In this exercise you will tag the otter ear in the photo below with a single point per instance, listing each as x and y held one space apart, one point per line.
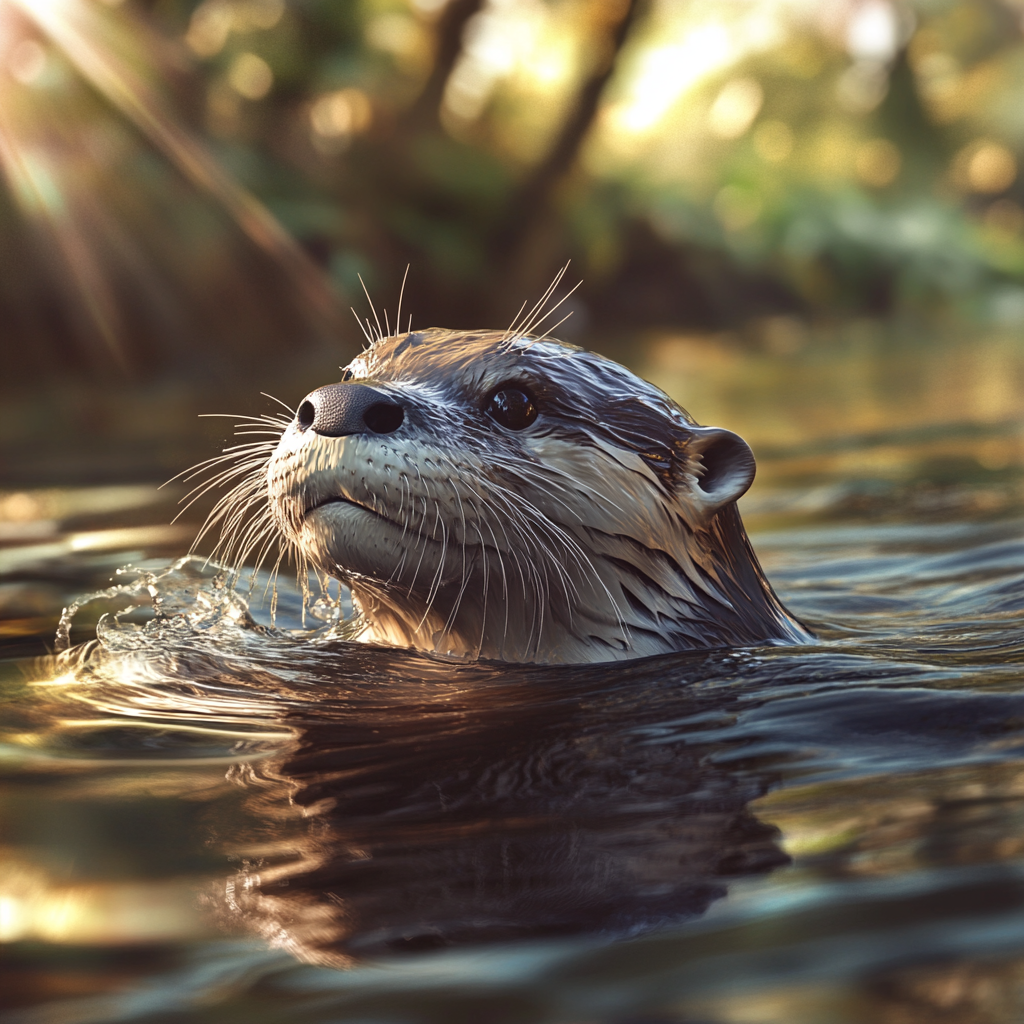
722 465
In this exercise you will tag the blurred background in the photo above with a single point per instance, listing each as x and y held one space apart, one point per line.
801 216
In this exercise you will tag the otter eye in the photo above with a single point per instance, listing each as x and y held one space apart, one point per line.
511 407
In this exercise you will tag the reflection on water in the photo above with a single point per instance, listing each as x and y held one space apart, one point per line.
207 816
401 806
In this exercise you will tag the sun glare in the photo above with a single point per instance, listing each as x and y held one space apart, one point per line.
691 45
499 40
666 72
56 162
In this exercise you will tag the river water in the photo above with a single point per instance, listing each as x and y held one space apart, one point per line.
210 816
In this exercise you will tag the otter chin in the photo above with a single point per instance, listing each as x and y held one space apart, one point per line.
522 500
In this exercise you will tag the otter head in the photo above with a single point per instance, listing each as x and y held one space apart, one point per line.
522 500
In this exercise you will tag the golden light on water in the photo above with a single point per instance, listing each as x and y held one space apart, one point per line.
130 537
65 679
798 147
35 906
58 503
773 401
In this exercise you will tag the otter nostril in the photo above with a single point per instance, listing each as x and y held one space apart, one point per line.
384 417
305 416
338 410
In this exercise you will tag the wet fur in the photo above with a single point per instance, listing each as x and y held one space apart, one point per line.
586 537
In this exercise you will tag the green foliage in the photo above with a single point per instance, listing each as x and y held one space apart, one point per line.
863 164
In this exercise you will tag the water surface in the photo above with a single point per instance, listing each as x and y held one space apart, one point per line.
211 817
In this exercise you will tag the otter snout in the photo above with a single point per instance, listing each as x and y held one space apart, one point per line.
341 409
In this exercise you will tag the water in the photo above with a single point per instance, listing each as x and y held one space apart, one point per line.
209 817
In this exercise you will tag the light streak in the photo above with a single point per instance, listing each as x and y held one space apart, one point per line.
76 29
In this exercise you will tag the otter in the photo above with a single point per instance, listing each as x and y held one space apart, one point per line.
489 495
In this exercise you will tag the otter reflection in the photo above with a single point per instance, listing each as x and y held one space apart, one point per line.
449 804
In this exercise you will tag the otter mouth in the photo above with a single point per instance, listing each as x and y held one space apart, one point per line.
339 500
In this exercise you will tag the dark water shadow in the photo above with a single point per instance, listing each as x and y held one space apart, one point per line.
473 804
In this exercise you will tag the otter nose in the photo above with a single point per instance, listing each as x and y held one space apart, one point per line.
340 409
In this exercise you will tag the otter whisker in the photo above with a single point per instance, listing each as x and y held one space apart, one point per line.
578 485
538 305
226 456
249 482
234 543
538 581
534 324
405 516
194 495
272 581
423 547
231 509
484 587
380 333
244 544
587 568
576 552
465 575
366 333
406 492
525 540
401 292
522 470
554 327
222 478
285 405
269 537
571 545
438 573
512 326
232 456
262 543
263 417
535 519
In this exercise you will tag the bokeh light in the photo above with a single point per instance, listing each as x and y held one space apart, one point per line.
341 114
250 76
